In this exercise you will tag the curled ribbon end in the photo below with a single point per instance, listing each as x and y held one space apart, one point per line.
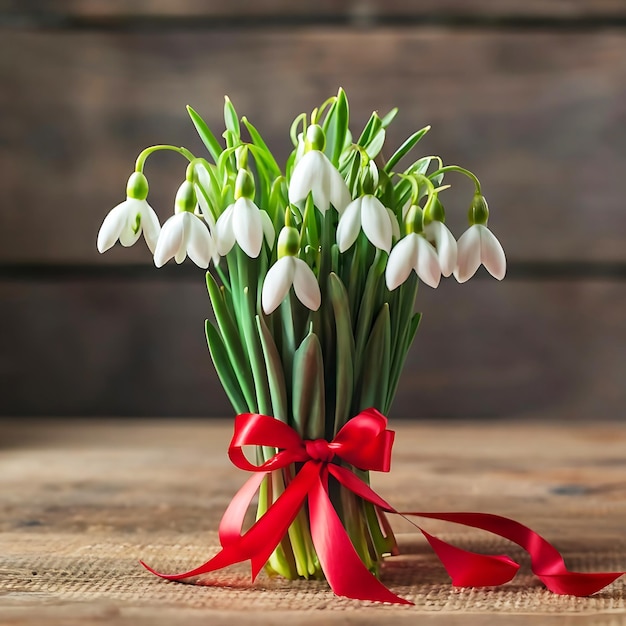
578 584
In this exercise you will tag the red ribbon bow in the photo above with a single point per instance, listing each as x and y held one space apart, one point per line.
365 443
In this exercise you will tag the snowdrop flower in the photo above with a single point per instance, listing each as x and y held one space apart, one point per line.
369 213
243 222
315 174
130 218
479 245
413 253
185 234
287 271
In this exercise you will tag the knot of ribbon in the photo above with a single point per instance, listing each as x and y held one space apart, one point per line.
365 443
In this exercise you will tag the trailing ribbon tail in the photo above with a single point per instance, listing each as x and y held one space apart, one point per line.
546 561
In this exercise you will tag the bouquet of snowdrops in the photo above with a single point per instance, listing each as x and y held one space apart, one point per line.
315 273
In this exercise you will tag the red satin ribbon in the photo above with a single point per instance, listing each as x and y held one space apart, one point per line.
363 442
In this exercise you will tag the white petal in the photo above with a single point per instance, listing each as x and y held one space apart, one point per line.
150 226
170 240
395 226
306 286
376 223
349 225
338 190
277 283
468 258
112 226
204 178
248 226
492 254
304 176
401 261
224 232
199 242
268 228
445 243
427 265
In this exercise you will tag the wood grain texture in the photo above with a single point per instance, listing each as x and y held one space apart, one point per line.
545 350
82 502
356 9
540 117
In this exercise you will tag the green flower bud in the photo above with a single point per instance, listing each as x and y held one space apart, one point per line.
414 220
315 139
434 211
370 178
241 156
479 211
288 242
244 185
137 186
185 198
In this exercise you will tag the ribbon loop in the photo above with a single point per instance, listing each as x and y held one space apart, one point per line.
364 442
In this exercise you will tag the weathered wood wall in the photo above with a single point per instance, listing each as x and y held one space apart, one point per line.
530 95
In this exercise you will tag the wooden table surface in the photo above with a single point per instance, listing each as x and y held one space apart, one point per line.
82 501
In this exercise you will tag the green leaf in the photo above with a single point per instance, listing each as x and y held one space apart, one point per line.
275 374
263 151
246 319
224 369
374 124
420 166
308 389
208 138
230 118
345 351
376 144
376 361
398 359
335 127
310 223
386 121
405 148
369 305
232 342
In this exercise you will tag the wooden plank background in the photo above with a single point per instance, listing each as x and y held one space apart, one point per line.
529 95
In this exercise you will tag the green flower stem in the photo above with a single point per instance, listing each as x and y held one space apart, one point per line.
251 338
460 170
281 560
141 159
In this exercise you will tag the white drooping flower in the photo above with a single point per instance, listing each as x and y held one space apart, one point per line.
129 219
281 276
369 213
289 271
185 234
445 244
244 223
315 174
412 253
182 235
479 245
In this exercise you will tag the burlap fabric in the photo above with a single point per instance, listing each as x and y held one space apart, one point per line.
82 502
